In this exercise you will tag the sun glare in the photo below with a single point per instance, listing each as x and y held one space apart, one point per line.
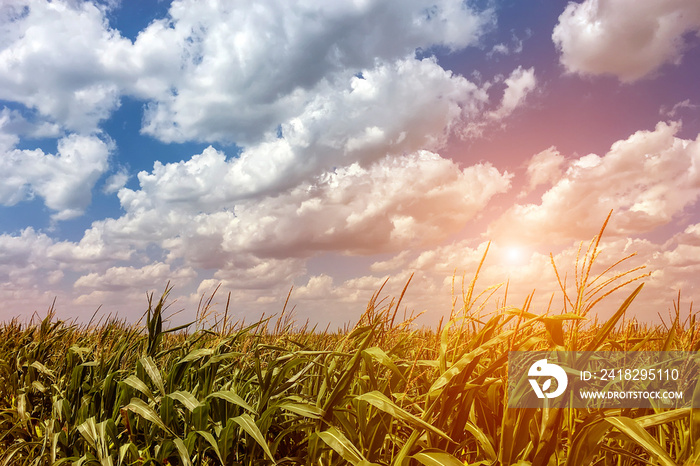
513 255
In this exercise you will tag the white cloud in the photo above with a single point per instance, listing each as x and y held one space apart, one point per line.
319 287
518 85
681 106
64 180
14 125
544 167
394 109
22 253
648 179
248 69
248 272
447 270
501 49
625 38
46 66
95 247
515 47
116 181
129 278
690 236
27 273
212 71
397 202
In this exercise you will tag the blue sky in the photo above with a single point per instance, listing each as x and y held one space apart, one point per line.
330 147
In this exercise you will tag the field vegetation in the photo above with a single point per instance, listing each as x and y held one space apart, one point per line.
382 392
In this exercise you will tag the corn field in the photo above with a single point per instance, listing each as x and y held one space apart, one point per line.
380 393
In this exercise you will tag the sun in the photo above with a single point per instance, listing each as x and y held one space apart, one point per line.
513 255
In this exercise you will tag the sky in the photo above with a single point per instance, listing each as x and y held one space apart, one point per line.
330 148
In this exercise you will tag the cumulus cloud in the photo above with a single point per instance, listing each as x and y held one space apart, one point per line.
249 272
128 278
46 66
339 81
395 109
691 235
116 181
250 69
14 125
22 255
398 202
648 179
624 38
95 247
515 47
403 201
64 180
29 279
684 105
441 275
211 71
518 85
544 167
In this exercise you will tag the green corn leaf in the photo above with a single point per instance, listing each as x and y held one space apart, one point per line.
129 448
106 433
188 400
210 440
139 407
154 373
88 430
139 385
436 458
442 350
381 402
465 360
482 439
226 440
586 443
554 326
200 417
196 354
663 417
341 445
42 368
380 356
233 398
302 409
54 445
247 424
182 450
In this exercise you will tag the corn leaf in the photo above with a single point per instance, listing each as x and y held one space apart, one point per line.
635 432
381 402
139 407
341 445
233 398
436 458
247 424
188 400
